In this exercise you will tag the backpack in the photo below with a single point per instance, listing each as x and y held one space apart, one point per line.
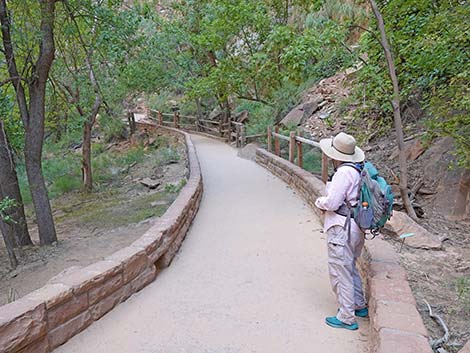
375 202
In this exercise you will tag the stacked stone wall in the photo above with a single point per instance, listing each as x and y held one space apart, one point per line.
395 324
48 317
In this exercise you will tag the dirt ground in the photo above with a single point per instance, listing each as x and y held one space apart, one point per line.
440 277
91 227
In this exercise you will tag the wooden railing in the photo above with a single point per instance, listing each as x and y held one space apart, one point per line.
231 131
295 146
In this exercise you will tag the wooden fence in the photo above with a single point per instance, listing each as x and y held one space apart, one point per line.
295 146
234 131
231 131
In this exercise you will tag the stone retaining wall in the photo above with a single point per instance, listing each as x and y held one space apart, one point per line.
70 302
395 324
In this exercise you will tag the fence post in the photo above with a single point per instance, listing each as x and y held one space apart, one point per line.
160 118
300 156
229 131
277 145
270 138
243 133
237 142
292 146
174 120
324 168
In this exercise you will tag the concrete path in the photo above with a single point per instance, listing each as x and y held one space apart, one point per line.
251 276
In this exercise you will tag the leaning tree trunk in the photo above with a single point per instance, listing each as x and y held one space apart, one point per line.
33 156
9 187
34 135
396 113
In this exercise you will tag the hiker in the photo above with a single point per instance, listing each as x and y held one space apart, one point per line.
345 239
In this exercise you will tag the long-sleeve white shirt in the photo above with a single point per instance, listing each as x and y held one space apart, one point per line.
343 186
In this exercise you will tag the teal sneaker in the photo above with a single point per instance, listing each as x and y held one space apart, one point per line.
334 322
364 312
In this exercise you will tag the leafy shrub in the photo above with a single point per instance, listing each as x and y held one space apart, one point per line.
430 44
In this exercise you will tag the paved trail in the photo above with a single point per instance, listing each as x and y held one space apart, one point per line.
251 276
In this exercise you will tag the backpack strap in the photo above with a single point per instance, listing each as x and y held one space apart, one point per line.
346 208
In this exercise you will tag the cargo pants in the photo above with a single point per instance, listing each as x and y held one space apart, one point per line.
346 282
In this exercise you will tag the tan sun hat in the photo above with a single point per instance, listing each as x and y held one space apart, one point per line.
343 148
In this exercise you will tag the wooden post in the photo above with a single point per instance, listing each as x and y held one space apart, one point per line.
270 139
174 120
300 156
237 142
324 168
229 131
277 145
292 146
177 120
160 118
243 133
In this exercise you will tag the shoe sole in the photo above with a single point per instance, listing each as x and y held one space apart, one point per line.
353 328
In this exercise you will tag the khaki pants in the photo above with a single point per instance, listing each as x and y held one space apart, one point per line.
344 277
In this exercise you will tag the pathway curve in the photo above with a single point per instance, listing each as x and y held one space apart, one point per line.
251 276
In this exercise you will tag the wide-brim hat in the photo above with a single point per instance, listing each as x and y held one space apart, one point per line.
343 148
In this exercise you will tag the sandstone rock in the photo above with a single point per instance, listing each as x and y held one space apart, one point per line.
391 341
133 260
64 332
21 323
40 346
398 316
413 149
107 287
66 311
400 223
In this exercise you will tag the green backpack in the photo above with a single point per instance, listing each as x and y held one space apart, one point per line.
375 204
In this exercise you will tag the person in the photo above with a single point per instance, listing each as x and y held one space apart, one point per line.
344 238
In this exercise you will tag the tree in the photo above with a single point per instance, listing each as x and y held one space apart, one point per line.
396 112
9 188
30 87
5 228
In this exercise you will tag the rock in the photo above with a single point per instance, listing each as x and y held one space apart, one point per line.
293 118
158 203
248 152
242 116
412 150
312 105
150 183
400 223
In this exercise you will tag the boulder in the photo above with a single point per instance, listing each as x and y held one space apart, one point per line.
294 117
400 223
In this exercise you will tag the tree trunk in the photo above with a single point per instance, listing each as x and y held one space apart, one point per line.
396 113
9 242
88 126
87 176
9 187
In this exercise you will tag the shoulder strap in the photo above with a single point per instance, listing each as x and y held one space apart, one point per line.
356 166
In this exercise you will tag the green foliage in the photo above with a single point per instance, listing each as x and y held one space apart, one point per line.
462 287
430 45
5 205
175 188
111 128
